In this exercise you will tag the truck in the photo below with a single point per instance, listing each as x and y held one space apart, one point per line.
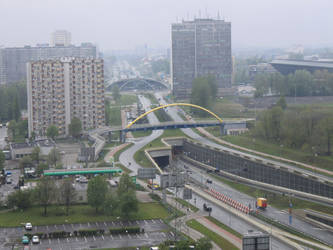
261 203
152 185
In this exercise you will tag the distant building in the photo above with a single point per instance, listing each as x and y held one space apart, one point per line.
60 89
61 38
13 60
286 67
261 68
199 48
20 150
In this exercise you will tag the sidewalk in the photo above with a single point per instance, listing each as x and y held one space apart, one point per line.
113 151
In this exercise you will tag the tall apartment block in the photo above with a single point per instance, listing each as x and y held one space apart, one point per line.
61 38
13 60
60 89
199 48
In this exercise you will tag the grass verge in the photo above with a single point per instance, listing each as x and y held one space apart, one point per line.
220 241
117 154
78 214
225 227
137 134
186 204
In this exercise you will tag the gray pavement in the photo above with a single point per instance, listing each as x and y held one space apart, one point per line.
3 134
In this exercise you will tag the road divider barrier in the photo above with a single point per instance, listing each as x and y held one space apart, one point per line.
222 197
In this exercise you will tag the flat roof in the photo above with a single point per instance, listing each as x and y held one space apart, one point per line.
318 64
82 171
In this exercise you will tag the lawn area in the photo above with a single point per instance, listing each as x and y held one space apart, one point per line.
122 167
223 226
137 134
115 118
128 99
276 200
186 204
78 214
220 241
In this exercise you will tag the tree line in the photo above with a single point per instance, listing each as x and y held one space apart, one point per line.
49 192
300 83
307 128
13 99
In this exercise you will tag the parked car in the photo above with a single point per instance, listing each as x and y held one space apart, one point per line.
28 226
209 181
25 240
9 181
206 208
35 239
83 179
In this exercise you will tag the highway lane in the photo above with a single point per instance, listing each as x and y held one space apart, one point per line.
173 112
127 157
271 212
230 220
242 198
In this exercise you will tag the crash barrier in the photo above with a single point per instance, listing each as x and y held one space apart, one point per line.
227 200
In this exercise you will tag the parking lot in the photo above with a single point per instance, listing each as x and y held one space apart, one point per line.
152 235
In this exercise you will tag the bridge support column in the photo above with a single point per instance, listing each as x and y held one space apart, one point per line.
109 136
222 132
122 136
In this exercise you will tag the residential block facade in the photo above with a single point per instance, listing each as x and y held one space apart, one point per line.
13 60
199 48
60 89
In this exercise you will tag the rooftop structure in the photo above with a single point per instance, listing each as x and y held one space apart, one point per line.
286 67
61 38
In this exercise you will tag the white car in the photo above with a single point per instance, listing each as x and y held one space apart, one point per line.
35 239
28 226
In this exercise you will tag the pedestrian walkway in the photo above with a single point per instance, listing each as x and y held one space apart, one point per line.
113 151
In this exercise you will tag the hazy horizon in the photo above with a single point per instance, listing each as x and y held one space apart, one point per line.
125 25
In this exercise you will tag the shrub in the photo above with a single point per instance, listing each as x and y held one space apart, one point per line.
122 230
155 197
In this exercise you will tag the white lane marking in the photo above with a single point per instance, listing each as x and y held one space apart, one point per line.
49 241
111 236
58 241
146 235
76 239
129 236
105 224
85 238
102 236
67 239
94 238
120 236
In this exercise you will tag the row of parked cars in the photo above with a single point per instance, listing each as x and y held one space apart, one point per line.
25 239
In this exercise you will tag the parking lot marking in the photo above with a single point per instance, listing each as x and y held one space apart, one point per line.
58 241
88 224
120 236
49 241
172 234
94 238
161 221
145 222
72 226
146 235
76 239
164 234
129 236
105 223
85 238
64 226
55 226
96 224
47 227
153 221
102 236
111 236
67 239
121 223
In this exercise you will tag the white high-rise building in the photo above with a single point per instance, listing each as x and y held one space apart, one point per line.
61 89
61 38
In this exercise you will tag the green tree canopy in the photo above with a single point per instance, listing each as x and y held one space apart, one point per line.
54 157
52 131
35 155
116 93
204 91
45 192
128 204
96 193
2 160
19 199
25 162
75 127
67 194
125 184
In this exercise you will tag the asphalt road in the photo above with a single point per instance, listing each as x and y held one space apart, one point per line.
271 212
6 189
173 112
3 134
127 157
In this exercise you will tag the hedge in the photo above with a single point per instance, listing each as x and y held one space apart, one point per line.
88 232
122 230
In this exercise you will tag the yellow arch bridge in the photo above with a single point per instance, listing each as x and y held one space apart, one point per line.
171 125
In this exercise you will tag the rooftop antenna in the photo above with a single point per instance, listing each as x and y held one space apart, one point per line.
206 13
199 14
188 16
218 15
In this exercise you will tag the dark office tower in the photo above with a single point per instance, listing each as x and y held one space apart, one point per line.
199 48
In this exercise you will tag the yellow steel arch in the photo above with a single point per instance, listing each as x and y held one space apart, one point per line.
174 104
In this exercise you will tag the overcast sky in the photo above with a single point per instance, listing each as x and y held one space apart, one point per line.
125 24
